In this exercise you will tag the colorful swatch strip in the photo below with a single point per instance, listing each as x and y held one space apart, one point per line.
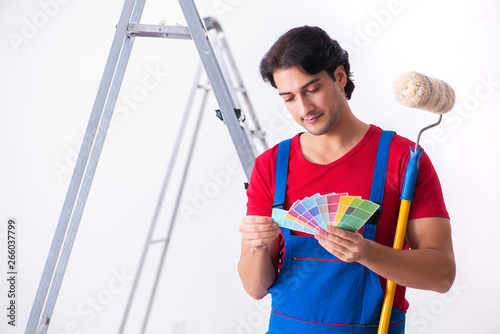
319 211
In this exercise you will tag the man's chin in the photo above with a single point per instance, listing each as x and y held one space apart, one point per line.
316 131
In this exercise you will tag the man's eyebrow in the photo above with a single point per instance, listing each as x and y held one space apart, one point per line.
304 86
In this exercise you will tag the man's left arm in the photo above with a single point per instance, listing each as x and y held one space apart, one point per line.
428 265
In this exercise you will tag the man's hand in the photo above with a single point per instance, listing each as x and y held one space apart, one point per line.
347 246
260 251
257 232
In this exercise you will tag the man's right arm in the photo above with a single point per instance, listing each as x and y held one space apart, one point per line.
260 251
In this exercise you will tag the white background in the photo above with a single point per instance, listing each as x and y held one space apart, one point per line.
51 62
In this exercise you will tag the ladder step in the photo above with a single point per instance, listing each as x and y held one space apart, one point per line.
163 31
258 134
157 240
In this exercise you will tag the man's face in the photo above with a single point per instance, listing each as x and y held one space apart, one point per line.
314 101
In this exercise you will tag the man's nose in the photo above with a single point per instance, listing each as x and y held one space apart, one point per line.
306 106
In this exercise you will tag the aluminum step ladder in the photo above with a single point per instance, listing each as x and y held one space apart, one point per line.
127 29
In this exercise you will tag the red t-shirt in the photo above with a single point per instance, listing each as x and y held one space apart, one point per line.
352 173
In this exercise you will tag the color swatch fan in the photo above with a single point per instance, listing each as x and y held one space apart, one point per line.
319 211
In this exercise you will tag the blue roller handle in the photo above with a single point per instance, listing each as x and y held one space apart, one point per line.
409 183
411 174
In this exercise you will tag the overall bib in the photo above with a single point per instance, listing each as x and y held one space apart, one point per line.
316 292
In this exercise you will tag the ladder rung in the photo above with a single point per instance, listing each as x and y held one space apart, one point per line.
258 134
157 240
163 31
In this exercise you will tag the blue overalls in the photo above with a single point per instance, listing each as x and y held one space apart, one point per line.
316 292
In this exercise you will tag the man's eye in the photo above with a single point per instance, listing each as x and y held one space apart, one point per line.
313 90
290 99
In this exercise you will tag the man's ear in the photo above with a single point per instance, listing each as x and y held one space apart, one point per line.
340 76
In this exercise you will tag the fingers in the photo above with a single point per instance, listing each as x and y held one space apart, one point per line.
258 232
343 234
332 244
261 235
257 224
336 236
343 244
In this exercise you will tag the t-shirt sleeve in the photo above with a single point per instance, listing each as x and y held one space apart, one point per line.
428 200
260 191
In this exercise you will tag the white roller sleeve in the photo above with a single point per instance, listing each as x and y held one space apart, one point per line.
416 90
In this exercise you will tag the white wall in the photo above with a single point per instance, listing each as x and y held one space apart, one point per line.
52 57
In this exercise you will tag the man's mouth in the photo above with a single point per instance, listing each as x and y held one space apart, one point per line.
312 119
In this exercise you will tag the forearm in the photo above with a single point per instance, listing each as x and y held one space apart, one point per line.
257 272
429 265
426 268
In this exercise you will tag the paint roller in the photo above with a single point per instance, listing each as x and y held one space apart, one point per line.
414 90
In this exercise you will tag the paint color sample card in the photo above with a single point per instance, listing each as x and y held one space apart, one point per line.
332 201
301 210
344 203
323 210
356 215
319 211
280 218
312 208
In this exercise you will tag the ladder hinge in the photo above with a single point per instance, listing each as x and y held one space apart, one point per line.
238 113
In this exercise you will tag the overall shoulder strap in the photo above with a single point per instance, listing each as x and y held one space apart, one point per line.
379 173
281 173
378 181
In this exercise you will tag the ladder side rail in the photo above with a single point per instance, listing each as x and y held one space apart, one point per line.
90 172
232 91
226 74
78 172
219 86
161 197
228 55
175 209
87 181
258 132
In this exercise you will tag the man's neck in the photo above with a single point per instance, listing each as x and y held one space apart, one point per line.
331 146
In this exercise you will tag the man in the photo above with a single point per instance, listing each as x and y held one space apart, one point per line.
334 280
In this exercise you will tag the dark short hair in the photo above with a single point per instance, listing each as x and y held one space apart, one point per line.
310 48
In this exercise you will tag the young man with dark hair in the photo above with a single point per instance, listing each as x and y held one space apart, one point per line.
333 282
